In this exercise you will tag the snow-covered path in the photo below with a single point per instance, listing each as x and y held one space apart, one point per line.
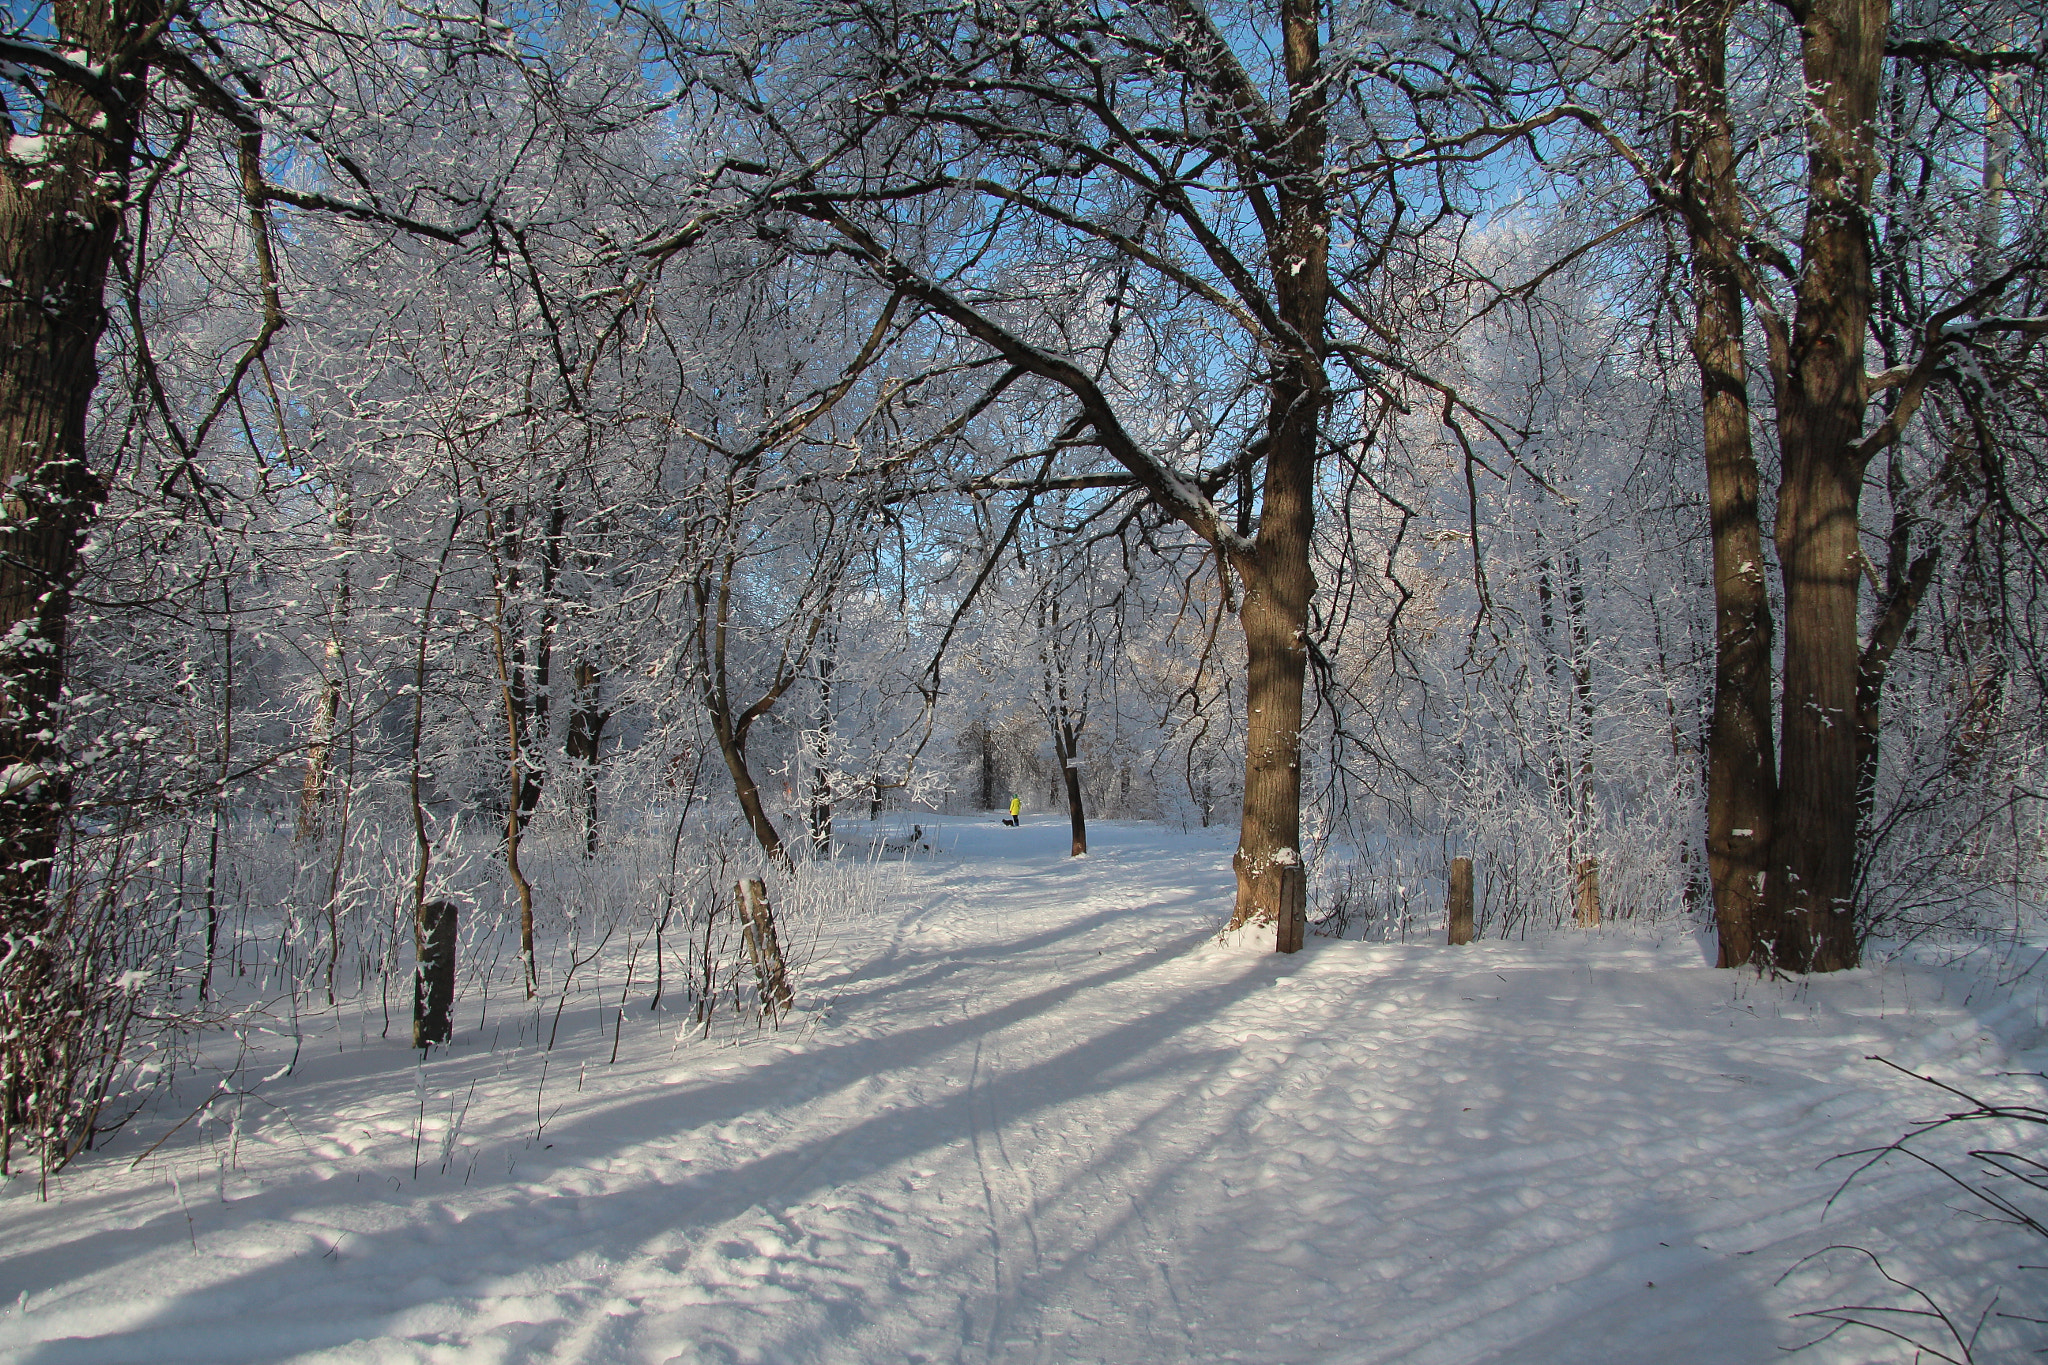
1034 1113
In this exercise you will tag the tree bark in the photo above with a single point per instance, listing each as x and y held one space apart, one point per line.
1741 759
821 776
517 779
1274 616
320 752
988 767
1066 744
584 742
733 750
757 926
422 847
433 991
1907 585
729 730
1458 904
1586 893
1276 577
1064 718
1809 895
61 201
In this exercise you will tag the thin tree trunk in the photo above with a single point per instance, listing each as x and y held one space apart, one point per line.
1458 903
422 847
712 625
220 792
764 945
1556 735
433 989
1581 640
1060 714
988 768
515 804
1906 585
821 775
1066 745
584 742
537 714
320 752
344 808
531 681
748 793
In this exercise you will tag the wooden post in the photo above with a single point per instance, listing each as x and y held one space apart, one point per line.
433 986
757 925
1293 926
1586 892
1460 930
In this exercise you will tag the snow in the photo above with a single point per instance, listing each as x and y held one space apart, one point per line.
1031 1110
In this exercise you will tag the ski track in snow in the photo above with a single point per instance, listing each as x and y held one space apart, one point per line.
1035 1113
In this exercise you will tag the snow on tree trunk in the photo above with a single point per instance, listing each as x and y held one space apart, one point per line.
61 199
433 998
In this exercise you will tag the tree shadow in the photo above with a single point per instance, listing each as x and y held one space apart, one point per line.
213 1321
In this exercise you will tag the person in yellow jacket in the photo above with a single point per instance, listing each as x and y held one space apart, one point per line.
1016 812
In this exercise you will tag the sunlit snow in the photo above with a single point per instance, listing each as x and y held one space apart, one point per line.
1030 1110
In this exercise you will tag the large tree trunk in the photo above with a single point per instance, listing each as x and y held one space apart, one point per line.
1810 889
1741 763
1274 614
60 213
1741 760
1277 579
1821 403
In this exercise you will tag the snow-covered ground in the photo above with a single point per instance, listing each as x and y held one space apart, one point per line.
1030 1110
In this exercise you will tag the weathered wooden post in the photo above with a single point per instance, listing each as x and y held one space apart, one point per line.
757 926
433 985
1586 892
1460 930
1293 927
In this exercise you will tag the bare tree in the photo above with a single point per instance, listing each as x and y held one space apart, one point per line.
1071 190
